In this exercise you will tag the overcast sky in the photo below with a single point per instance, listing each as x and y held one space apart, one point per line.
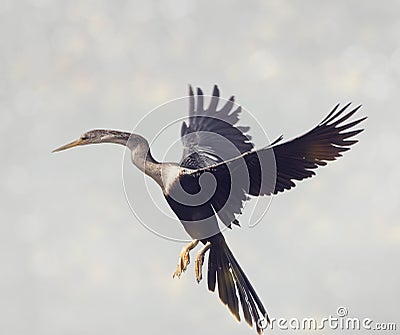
75 260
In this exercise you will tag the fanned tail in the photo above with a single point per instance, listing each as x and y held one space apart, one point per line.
233 285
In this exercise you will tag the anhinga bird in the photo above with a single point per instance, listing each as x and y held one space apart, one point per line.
219 171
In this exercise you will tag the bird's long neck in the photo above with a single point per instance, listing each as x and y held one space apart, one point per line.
142 158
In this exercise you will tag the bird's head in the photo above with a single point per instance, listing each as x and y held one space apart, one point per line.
98 136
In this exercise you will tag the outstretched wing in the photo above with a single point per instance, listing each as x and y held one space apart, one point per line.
297 159
211 135
275 168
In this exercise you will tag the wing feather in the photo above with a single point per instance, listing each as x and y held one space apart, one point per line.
277 167
296 159
210 135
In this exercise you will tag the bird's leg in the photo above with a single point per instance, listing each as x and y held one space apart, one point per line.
198 264
184 258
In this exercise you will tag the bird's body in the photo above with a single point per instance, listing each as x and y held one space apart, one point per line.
218 172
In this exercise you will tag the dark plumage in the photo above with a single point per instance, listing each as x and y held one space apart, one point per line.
219 171
244 172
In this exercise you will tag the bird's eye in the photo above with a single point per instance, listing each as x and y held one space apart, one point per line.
84 137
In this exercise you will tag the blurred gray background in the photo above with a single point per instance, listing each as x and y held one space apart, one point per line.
74 260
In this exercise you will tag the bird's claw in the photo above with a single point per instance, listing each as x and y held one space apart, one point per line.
184 259
198 265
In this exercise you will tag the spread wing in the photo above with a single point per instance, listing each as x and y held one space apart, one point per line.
210 136
297 159
276 168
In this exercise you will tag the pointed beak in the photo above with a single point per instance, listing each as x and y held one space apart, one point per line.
70 145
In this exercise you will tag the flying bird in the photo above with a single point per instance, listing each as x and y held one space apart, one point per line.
219 171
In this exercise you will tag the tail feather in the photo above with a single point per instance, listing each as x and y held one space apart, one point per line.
212 270
233 285
245 308
230 289
222 284
250 287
